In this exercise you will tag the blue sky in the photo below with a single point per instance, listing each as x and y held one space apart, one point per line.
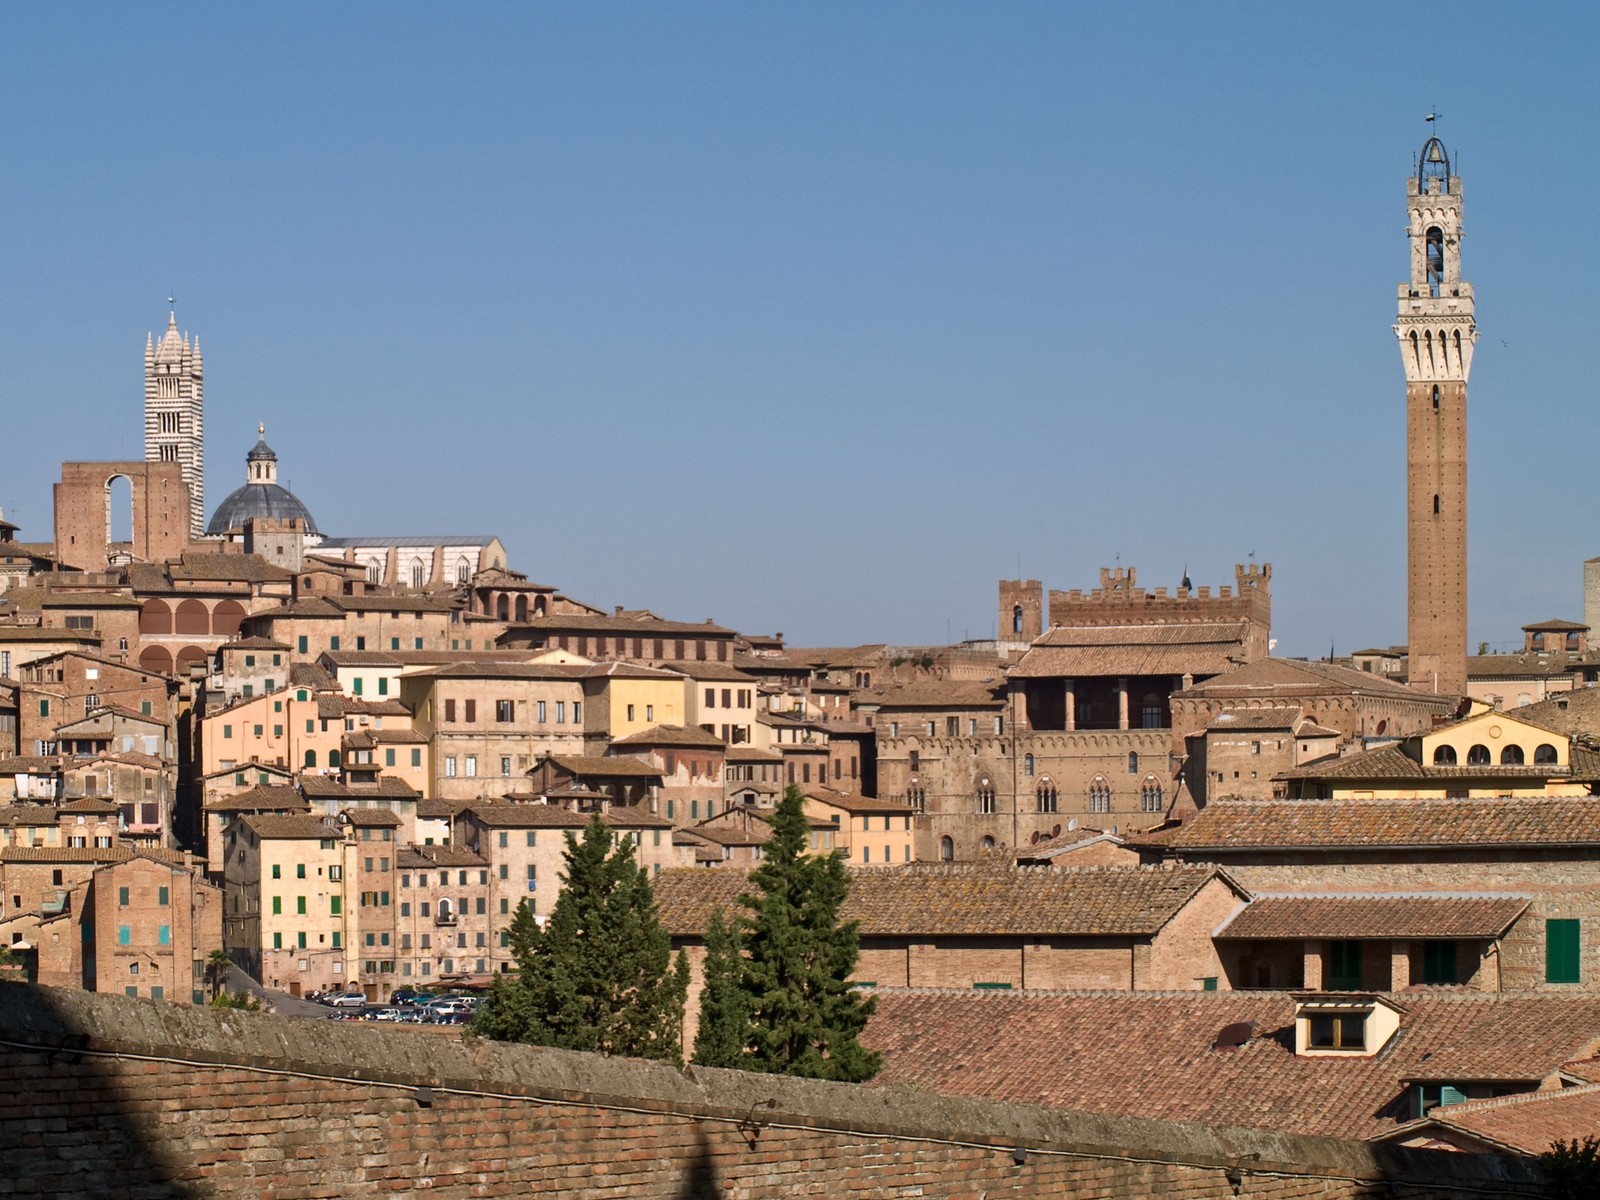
820 317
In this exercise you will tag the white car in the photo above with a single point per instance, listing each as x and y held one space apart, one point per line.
346 1000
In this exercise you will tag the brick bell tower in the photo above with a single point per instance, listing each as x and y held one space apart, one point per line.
1437 331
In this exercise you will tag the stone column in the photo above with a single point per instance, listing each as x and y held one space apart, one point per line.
1070 703
1399 965
1122 703
1313 954
1019 694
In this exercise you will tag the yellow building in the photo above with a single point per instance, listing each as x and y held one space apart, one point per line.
283 917
624 699
1486 753
869 832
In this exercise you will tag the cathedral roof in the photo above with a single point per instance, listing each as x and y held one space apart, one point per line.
259 497
171 347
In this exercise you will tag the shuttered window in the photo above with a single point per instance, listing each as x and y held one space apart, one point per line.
1561 951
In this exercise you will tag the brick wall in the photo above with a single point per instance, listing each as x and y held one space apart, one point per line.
166 1102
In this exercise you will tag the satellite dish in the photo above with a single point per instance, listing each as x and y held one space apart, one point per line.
1056 831
1233 1036
1382 725
1464 707
1073 823
1035 838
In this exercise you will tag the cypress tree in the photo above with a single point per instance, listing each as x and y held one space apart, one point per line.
724 1030
804 1016
599 975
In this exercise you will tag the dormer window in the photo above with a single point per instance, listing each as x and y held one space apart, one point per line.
1333 1023
1337 1031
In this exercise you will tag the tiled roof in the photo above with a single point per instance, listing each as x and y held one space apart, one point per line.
1517 666
1226 825
261 798
1383 915
28 814
431 809
672 735
226 568
320 787
648 626
375 818
1574 713
603 767
1389 763
291 826
86 854
525 816
1556 625
406 603
500 669
1524 1124
707 671
254 643
1149 1054
89 804
310 675
615 669
968 899
32 633
946 693
623 816
1197 647
332 707
423 857
746 753
858 805
1281 679
1253 719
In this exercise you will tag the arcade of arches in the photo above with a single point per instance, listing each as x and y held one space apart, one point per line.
178 621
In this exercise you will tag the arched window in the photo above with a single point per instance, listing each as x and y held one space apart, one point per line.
1150 794
1436 398
916 797
1511 756
417 577
1046 796
986 796
311 758
522 608
1152 711
463 570
1544 755
1099 795
1133 762
1572 642
1436 503
1444 756
374 571
1016 618
1536 642
333 758
502 607
1478 756
987 844
947 849
444 910
1435 239
1027 765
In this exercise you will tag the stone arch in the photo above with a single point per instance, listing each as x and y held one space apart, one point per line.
502 607
226 617
463 571
1544 754
191 617
418 573
374 571
156 617
114 521
188 657
522 608
947 849
539 607
157 659
1511 756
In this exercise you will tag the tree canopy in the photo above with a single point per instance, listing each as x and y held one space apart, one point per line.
598 974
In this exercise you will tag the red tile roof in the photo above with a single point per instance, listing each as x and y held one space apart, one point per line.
1376 916
1525 1124
1149 1054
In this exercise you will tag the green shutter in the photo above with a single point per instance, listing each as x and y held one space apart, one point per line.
1561 951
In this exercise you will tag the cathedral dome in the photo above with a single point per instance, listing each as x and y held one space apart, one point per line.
261 496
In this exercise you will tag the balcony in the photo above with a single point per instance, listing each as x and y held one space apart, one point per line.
445 918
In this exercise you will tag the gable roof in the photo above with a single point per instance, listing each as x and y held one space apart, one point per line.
1059 1049
970 899
1281 679
672 735
1528 1123
1241 825
1178 648
1377 915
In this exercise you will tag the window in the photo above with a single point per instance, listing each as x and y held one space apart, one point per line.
1478 756
1133 762
163 896
1439 963
1045 796
1544 755
1027 765
1344 966
335 905
505 710
122 897
1444 756
914 760
505 764
1511 756
300 905
450 709
986 795
1100 795
470 706
541 713
1150 795
472 766
947 849
449 766
164 935
1561 951
577 712
561 712
1338 1031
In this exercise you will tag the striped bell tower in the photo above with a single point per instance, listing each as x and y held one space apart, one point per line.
174 412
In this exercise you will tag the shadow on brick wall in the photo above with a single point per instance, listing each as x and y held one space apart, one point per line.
68 1129
700 1182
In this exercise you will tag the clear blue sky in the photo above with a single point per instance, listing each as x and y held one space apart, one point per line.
820 317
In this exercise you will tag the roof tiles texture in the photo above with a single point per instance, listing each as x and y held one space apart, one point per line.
1527 1124
1149 1054
1380 916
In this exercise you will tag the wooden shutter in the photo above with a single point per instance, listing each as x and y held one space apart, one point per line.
1561 951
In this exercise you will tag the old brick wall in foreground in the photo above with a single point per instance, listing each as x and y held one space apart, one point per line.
107 1096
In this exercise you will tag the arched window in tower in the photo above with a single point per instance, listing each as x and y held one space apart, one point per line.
987 844
947 849
1436 398
1444 756
1436 504
1027 765
1099 795
916 795
1046 797
417 577
374 571
464 570
1435 239
986 795
1016 618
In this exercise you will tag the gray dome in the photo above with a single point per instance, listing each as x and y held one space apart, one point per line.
258 500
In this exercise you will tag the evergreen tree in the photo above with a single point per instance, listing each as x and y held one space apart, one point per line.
724 1032
805 1017
599 974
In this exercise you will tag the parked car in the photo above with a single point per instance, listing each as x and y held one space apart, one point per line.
346 1000
406 996
383 1013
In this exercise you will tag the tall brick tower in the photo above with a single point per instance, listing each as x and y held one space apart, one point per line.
1437 332
174 412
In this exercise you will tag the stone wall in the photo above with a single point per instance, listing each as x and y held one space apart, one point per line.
111 1097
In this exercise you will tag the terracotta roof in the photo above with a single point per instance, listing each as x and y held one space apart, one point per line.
225 568
499 669
376 818
292 826
432 809
1389 763
1065 1050
1064 843
624 670
525 816
946 693
1517 666
623 816
254 643
859 805
1226 825
86 854
360 658
310 675
381 603
1575 713
1197 647
1380 915
423 857
261 798
332 706
321 787
746 753
646 626
89 804
1556 625
1524 1124
672 735
1280 679
603 767
971 899
32 633
704 671
1253 719
28 814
